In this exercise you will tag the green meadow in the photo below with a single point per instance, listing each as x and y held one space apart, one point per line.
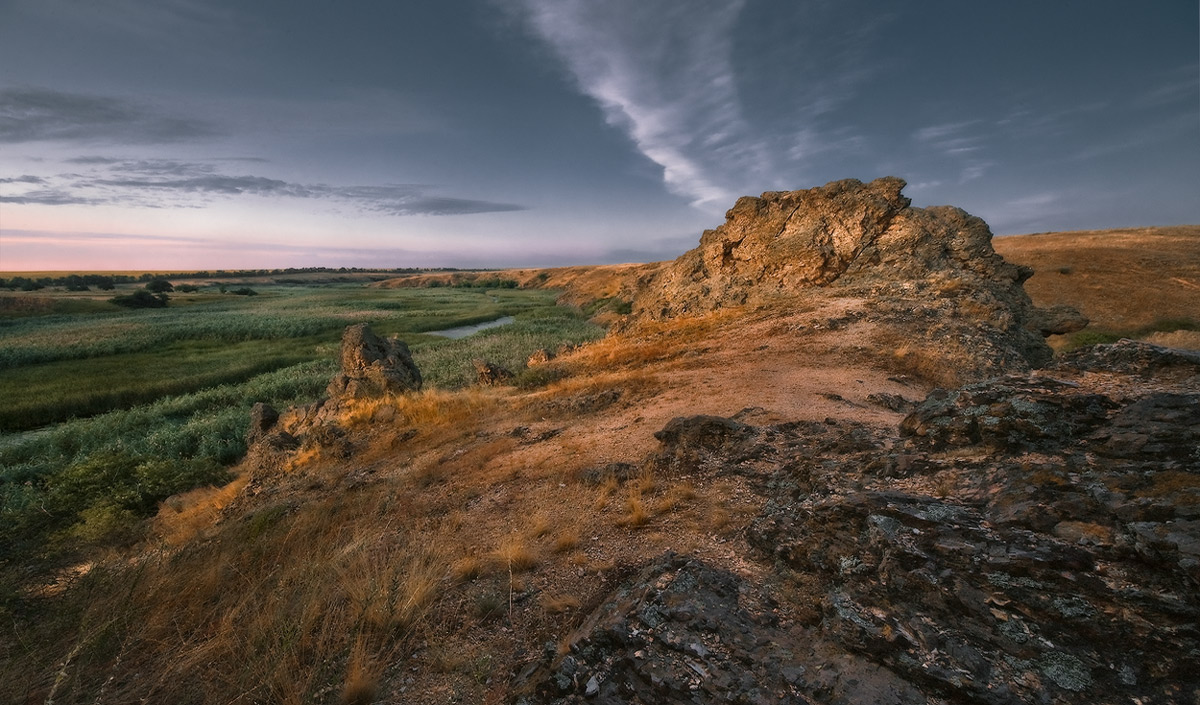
108 410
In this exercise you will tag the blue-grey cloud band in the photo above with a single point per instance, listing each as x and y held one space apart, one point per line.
147 185
32 114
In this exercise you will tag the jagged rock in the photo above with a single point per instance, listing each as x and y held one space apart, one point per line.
961 605
1010 413
1030 539
1057 320
264 433
891 402
1059 561
701 432
1163 426
263 418
373 366
540 357
583 403
932 269
1134 358
1048 415
490 374
682 631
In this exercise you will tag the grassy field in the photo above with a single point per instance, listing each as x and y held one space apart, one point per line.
111 410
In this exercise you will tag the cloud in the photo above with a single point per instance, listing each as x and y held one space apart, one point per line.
727 96
49 197
216 183
949 138
956 141
26 179
41 115
155 183
662 72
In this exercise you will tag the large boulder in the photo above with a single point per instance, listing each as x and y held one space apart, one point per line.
932 269
373 366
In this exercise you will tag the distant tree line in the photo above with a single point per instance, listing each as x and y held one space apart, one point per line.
107 282
71 282
237 273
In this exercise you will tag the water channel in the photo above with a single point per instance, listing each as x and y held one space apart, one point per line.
464 331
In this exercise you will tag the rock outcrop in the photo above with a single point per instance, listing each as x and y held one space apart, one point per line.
1034 538
489 374
854 239
373 366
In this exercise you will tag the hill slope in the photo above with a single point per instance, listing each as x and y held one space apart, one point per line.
1126 282
766 502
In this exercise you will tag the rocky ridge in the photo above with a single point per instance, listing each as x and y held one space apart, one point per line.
932 265
1035 538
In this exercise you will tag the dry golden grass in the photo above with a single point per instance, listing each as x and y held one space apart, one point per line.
605 492
467 568
636 514
540 525
565 541
362 676
429 408
652 342
286 593
1120 279
678 495
558 604
513 555
183 517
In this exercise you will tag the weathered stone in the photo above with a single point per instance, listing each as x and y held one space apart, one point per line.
1008 413
489 374
263 418
1133 357
1057 320
373 366
540 357
682 631
932 269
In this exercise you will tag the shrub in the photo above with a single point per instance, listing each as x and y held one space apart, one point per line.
141 299
115 483
159 286
244 291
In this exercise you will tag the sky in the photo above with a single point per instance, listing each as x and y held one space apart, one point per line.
220 134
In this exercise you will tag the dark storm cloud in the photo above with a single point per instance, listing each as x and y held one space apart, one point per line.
158 182
38 114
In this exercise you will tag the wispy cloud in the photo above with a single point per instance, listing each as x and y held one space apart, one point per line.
959 141
153 183
1024 213
662 72
49 197
39 114
676 76
26 179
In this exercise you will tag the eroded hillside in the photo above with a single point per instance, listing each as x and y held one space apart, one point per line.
764 500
